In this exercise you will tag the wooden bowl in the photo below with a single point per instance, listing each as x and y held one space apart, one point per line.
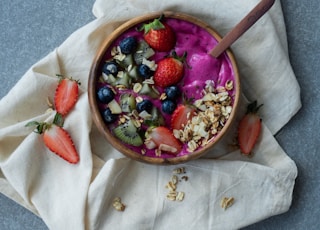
96 71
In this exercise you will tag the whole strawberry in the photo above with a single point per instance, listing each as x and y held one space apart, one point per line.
249 129
169 70
159 35
66 94
57 139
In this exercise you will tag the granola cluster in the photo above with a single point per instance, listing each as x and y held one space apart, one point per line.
214 109
172 185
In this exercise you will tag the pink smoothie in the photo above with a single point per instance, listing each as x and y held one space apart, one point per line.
197 42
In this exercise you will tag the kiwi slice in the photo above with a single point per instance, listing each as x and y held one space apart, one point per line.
127 102
110 79
128 60
149 91
124 80
143 51
156 118
128 133
114 107
133 73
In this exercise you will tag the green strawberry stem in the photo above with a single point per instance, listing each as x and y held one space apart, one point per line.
253 107
42 126
155 25
58 120
181 58
61 77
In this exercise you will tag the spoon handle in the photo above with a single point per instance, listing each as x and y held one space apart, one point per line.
257 12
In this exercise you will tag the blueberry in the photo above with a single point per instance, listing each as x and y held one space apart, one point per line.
110 68
144 71
108 116
172 92
105 95
144 105
168 106
128 45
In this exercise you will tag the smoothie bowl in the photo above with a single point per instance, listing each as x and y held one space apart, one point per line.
159 97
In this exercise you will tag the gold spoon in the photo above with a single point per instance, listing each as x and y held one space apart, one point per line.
251 18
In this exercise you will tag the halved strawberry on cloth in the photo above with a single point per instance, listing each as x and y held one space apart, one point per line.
249 129
57 139
66 94
162 138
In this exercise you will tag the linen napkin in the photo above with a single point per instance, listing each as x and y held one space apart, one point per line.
80 196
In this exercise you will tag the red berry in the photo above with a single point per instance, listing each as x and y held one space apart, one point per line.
169 71
162 137
159 35
249 129
57 139
181 115
66 95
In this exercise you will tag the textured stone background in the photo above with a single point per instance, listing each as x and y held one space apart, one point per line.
32 29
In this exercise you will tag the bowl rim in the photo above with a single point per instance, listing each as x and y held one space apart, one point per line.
95 69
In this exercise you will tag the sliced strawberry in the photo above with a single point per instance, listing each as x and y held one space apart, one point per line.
169 70
57 139
164 139
181 115
66 95
249 129
159 35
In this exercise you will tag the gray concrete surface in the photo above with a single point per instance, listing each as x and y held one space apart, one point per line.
31 29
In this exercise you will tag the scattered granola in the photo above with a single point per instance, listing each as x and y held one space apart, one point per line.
172 185
185 178
226 202
49 103
118 205
180 196
179 170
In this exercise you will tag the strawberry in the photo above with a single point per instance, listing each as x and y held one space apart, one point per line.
159 35
249 129
169 70
162 138
181 115
66 95
57 139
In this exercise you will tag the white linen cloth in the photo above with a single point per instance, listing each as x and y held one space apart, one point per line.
80 196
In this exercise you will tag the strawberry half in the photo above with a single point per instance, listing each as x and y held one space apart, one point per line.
181 115
159 35
249 129
57 139
169 70
66 95
162 138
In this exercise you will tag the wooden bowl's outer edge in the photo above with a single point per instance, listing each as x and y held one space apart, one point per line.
102 127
